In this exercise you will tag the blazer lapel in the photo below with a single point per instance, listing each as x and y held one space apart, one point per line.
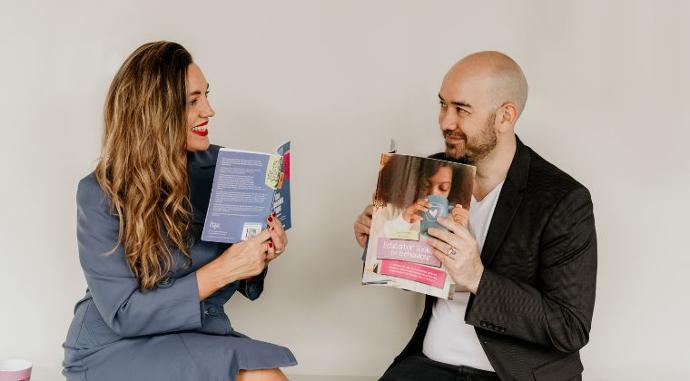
508 202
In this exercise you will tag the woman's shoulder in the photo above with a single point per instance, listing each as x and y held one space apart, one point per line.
204 158
89 191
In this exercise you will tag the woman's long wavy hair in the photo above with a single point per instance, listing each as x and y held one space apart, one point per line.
143 163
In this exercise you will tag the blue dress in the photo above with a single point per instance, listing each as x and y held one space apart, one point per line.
120 333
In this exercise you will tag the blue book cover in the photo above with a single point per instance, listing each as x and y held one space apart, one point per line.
247 188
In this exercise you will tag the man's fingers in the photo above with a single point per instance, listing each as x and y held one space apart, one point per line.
438 244
369 210
441 257
361 228
454 227
441 235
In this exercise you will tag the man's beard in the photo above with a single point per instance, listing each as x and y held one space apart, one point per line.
473 150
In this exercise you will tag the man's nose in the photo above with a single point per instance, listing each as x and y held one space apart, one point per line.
447 121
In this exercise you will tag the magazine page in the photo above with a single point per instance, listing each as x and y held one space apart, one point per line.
281 200
412 193
244 185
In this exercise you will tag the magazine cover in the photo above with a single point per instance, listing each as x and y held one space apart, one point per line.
411 194
247 188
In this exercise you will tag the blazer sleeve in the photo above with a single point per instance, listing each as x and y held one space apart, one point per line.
557 310
253 287
127 311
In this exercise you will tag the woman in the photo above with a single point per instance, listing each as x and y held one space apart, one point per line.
154 305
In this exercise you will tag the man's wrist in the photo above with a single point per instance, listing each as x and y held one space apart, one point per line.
474 287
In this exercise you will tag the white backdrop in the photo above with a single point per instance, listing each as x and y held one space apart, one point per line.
608 103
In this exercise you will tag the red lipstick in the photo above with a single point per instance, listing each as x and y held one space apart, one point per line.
200 132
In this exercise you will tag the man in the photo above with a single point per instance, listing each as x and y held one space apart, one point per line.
525 269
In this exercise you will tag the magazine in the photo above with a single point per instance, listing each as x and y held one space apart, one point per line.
247 188
411 194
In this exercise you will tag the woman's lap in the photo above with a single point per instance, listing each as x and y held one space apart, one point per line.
180 356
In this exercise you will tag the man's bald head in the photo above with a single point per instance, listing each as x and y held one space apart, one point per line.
482 97
501 77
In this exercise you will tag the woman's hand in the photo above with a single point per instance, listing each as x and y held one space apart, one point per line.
414 212
247 258
460 215
242 260
278 242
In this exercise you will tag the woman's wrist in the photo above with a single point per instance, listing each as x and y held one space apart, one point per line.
211 277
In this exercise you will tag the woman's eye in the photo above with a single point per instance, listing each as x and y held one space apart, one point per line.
193 102
443 104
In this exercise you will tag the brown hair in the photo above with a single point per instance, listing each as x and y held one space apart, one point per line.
143 163
405 179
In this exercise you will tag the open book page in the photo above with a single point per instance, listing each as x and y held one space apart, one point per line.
245 189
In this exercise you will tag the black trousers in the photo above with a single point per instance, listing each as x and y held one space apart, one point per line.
421 368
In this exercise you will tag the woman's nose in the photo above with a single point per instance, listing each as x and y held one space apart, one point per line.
207 112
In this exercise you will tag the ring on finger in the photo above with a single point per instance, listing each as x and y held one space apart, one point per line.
451 252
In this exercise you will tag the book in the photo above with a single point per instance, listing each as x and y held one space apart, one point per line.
411 194
247 187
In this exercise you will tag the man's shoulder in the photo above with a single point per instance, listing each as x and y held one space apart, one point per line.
548 181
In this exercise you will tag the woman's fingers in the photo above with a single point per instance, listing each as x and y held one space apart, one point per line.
277 242
270 251
261 237
277 233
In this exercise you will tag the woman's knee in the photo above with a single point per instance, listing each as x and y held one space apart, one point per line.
262 374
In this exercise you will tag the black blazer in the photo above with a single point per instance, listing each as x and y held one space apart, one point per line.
533 307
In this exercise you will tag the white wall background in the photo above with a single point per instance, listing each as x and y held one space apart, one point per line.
608 103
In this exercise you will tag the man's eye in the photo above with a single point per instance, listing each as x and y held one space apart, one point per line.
443 104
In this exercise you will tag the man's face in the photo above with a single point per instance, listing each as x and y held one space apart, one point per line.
467 116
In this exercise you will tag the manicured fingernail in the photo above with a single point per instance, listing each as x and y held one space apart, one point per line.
270 244
270 218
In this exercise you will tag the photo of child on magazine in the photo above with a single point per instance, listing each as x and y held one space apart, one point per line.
412 193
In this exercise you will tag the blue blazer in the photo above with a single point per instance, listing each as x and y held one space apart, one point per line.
114 309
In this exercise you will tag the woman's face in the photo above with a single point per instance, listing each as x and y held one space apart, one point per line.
440 182
198 110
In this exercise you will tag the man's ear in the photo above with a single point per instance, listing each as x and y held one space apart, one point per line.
506 117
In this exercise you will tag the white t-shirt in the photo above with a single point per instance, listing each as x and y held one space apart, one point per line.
448 338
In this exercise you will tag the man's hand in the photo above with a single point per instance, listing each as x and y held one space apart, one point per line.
459 253
362 226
